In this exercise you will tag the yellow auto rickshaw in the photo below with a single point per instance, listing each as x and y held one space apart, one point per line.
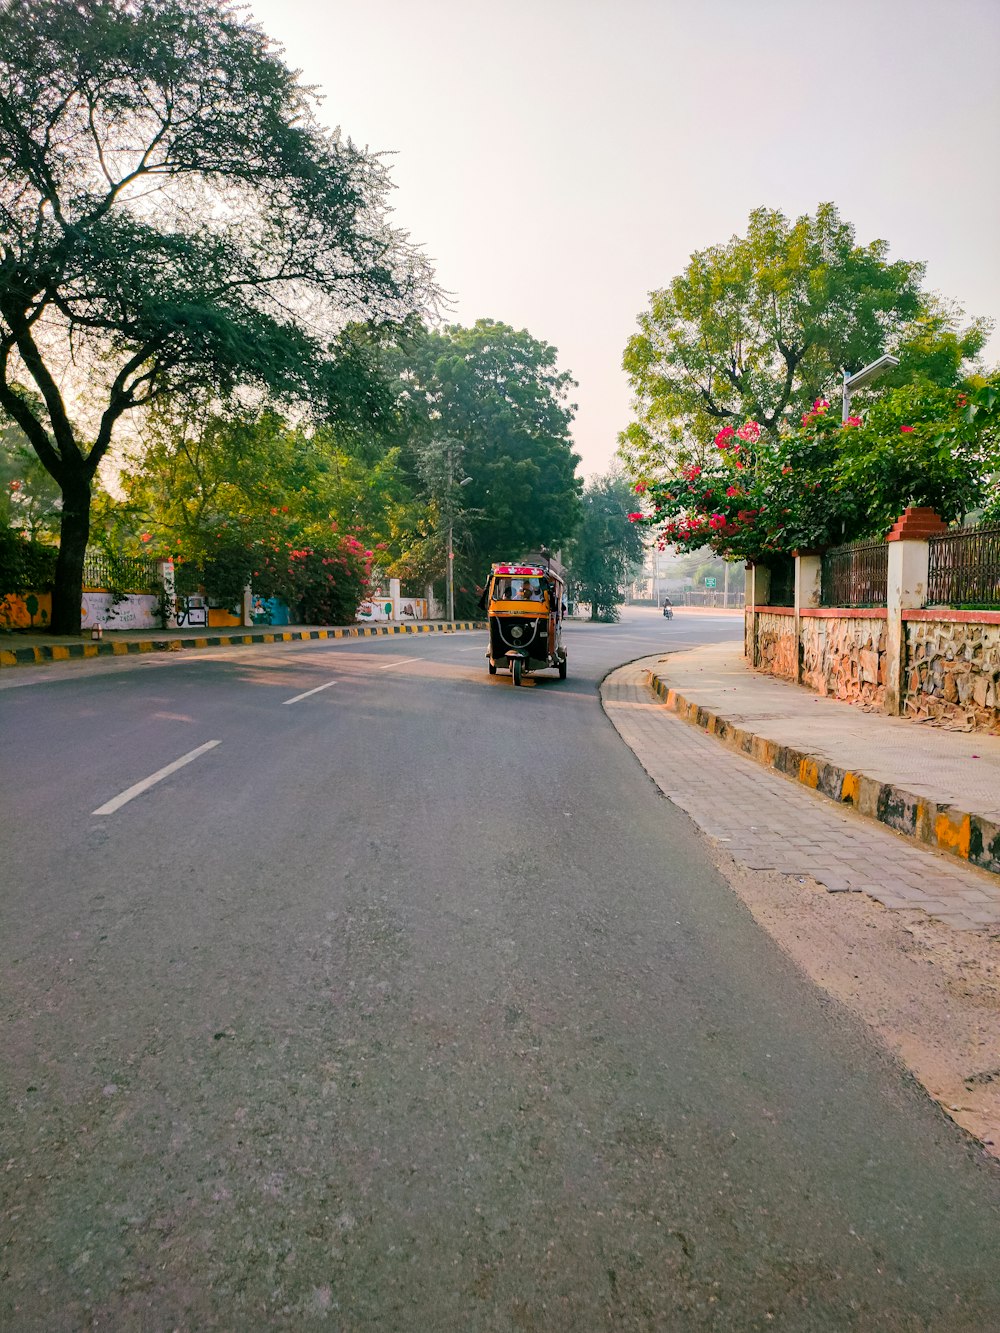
525 605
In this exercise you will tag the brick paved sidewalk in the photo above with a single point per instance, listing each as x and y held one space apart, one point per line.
767 821
935 785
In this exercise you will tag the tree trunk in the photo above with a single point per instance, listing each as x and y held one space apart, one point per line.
74 531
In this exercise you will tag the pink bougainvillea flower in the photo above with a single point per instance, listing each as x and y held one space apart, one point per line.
961 401
691 471
853 421
749 432
807 417
15 485
905 430
820 405
635 518
639 487
145 537
785 470
733 490
717 521
724 435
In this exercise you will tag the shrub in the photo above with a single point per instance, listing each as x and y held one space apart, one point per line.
25 566
321 587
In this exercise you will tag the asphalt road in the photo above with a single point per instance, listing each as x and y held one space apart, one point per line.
411 1004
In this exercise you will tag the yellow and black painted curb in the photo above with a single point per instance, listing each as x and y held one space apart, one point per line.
68 652
970 837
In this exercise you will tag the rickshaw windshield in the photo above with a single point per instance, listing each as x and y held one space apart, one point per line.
518 589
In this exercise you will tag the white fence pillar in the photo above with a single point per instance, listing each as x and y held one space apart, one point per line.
758 593
906 589
808 592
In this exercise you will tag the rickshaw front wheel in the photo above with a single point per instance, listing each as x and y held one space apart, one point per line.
562 669
493 667
517 666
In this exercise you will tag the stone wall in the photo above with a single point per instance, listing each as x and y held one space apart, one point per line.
776 646
953 671
844 656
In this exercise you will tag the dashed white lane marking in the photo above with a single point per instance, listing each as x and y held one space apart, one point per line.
117 802
308 692
402 662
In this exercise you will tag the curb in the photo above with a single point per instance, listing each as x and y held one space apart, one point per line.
969 837
68 652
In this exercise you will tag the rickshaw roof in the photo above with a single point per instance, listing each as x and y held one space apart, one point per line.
523 571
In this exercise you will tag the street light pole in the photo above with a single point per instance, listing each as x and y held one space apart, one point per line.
863 377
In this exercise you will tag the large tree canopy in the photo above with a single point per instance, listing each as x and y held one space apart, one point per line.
763 326
489 404
172 217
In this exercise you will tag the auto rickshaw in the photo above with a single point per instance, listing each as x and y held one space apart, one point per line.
525 608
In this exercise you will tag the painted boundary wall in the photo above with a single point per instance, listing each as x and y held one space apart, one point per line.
949 667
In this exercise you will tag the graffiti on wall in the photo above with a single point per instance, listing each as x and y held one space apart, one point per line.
386 608
25 610
137 610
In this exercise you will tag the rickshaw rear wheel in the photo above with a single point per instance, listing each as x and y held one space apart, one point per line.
562 669
517 667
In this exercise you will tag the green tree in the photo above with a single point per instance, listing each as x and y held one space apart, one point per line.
495 398
29 498
828 482
201 472
607 548
763 326
173 219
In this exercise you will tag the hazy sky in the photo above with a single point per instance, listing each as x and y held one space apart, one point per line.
559 159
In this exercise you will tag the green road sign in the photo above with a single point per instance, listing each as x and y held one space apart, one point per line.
710 583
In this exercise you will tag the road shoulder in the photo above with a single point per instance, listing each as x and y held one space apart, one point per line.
928 992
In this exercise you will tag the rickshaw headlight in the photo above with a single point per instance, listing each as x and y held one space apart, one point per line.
516 632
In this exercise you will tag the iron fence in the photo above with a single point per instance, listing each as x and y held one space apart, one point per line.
119 573
964 568
856 574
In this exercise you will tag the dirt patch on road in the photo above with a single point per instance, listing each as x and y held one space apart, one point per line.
930 992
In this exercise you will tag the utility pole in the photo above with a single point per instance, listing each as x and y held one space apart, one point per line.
450 572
